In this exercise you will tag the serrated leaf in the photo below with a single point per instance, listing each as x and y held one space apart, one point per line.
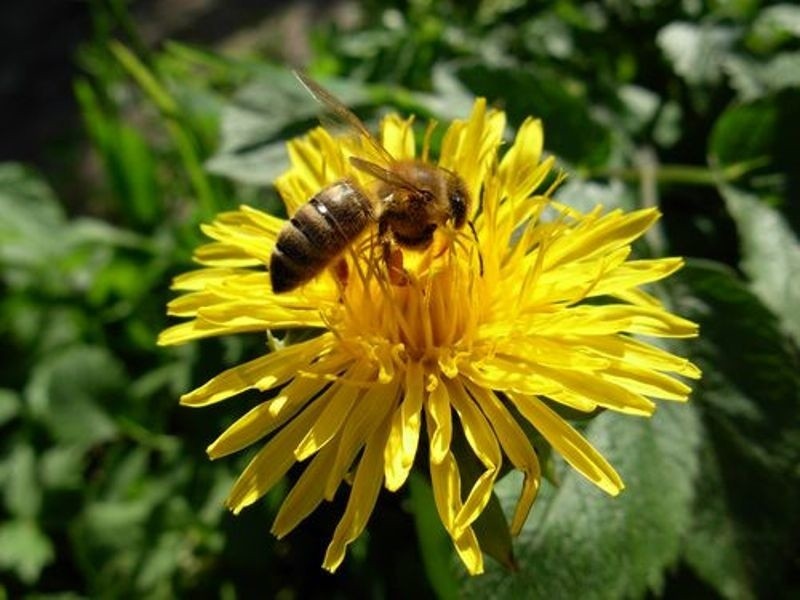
257 165
30 218
269 109
24 549
69 393
745 516
770 255
696 51
581 543
753 79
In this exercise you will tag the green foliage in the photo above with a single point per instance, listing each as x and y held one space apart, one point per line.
104 486
751 445
592 546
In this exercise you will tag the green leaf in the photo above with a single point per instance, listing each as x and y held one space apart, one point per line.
770 255
572 132
24 549
20 486
753 79
762 134
62 467
584 194
70 391
696 51
745 516
263 113
744 132
10 405
257 164
581 543
128 161
435 545
774 26
32 220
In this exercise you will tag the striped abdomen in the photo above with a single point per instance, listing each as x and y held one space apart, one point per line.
318 233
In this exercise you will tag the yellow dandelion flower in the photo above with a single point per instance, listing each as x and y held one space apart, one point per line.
555 314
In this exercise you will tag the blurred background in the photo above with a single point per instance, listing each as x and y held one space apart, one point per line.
127 124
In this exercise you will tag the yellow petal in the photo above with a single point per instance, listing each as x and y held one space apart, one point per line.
367 484
469 551
440 425
401 445
592 238
306 494
518 168
483 443
199 279
648 382
373 408
337 407
515 445
268 416
569 443
500 375
595 389
195 330
224 255
397 136
260 314
634 273
272 462
446 484
646 356
262 373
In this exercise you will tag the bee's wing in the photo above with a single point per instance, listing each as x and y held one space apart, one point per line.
343 115
379 172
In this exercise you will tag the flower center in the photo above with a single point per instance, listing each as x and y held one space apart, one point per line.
428 315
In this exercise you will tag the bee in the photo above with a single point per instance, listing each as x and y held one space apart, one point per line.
410 201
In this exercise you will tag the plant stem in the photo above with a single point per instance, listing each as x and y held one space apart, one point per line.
679 174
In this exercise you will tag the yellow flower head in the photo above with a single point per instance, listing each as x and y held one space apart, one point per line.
553 315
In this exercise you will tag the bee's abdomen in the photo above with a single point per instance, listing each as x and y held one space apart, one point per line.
318 232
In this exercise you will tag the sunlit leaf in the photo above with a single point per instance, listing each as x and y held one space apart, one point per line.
770 255
21 492
696 51
24 549
580 542
72 393
269 109
747 494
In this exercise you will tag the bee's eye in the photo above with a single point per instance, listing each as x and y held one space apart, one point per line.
458 206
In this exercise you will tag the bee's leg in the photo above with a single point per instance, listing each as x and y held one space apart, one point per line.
392 257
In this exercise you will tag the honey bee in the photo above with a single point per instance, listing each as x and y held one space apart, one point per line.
411 200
